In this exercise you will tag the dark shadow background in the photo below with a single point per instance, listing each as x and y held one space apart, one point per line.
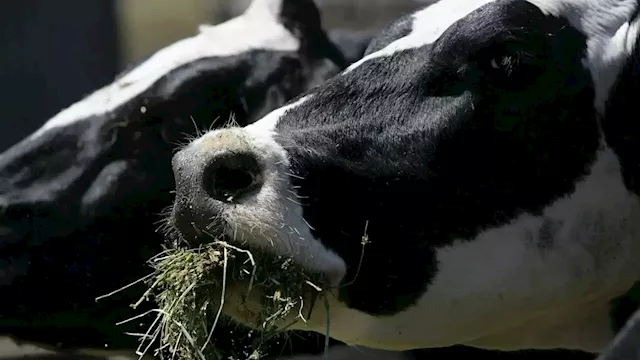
51 54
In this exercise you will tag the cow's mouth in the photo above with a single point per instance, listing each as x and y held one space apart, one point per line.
198 287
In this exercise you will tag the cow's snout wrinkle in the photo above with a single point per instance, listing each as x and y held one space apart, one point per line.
232 176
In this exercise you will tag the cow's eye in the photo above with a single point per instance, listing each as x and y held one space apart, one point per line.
505 64
514 70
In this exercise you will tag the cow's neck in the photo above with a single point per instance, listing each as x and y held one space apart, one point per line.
541 294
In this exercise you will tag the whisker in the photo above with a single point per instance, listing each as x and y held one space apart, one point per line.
294 176
195 126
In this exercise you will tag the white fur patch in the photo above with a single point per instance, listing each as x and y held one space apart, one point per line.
269 122
428 24
257 28
501 290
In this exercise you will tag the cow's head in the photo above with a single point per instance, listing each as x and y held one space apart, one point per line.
80 198
471 150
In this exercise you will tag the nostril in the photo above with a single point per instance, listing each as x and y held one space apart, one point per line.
231 176
232 180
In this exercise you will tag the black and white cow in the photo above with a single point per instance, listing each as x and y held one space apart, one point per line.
80 197
489 151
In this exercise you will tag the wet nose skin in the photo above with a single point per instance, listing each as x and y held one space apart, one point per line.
207 182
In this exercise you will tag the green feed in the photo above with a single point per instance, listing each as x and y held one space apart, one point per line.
189 285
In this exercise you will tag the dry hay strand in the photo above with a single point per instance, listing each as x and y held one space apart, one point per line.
190 288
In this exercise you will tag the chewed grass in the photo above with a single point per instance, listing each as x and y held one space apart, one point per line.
190 287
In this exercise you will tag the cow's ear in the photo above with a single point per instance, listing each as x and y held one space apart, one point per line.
302 16
620 124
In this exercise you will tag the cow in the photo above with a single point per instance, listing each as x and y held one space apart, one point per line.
80 197
472 180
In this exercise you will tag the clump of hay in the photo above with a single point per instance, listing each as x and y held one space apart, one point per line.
190 285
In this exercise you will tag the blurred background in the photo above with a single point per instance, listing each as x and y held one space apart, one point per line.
52 53
50 56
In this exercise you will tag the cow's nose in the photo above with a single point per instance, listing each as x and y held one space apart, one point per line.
232 176
209 182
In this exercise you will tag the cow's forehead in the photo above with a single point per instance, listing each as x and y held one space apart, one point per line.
427 25
594 18
259 28
610 27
